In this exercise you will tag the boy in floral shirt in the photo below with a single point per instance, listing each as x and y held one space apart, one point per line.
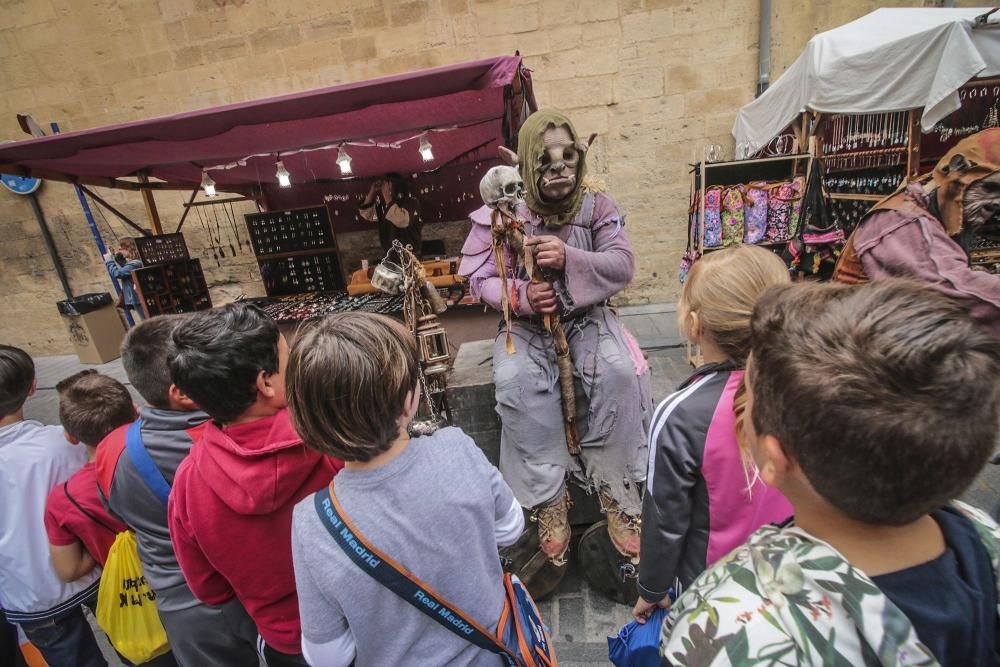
870 408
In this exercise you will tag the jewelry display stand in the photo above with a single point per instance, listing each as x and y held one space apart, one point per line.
296 251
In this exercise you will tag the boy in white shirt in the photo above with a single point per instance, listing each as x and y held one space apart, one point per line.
33 459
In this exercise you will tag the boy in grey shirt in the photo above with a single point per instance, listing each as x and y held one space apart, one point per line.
433 504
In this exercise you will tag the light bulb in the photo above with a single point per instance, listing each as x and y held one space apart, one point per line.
207 184
284 178
344 161
425 148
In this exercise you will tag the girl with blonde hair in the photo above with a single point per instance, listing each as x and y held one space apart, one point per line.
703 497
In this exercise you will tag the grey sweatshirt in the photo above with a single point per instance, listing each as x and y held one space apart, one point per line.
434 509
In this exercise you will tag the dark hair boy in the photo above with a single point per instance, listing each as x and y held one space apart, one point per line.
899 393
34 460
352 389
199 634
244 474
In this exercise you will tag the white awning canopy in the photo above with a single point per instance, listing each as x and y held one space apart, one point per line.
889 60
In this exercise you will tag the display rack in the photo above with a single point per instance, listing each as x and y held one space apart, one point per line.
769 170
296 251
172 287
160 249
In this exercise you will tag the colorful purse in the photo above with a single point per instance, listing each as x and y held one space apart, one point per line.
755 212
713 217
779 210
732 215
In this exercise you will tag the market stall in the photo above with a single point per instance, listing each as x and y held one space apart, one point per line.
871 105
305 161
880 100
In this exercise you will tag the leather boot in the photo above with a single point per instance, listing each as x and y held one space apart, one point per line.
622 528
554 531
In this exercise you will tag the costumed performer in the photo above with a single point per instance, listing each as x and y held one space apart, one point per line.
577 238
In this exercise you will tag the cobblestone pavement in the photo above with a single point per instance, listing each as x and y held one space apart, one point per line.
580 619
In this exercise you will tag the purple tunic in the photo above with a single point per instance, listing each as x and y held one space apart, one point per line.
898 243
612 378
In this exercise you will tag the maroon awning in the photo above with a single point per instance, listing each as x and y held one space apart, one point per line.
469 110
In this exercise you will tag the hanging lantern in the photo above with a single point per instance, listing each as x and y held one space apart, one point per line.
432 343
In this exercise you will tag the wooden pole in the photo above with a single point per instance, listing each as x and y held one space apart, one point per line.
151 212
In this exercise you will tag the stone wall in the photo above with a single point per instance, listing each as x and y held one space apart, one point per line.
658 79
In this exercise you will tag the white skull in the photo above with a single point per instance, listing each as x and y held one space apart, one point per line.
502 187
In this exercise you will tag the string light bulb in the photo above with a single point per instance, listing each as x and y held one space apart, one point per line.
284 178
207 184
343 161
425 148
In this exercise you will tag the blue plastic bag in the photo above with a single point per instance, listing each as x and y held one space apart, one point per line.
638 645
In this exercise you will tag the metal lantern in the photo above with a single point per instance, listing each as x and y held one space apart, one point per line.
432 342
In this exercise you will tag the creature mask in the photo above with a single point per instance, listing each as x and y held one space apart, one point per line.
553 163
502 188
967 182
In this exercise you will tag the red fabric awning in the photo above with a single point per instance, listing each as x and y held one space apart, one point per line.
474 98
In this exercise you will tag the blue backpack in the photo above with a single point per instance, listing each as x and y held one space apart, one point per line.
521 638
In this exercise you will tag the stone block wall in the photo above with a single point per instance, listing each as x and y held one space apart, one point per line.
657 79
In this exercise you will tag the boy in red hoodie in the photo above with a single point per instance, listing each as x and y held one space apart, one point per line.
230 508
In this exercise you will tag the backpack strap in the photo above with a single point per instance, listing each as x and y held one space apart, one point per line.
401 581
144 464
85 512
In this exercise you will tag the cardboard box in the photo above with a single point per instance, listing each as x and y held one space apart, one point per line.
97 335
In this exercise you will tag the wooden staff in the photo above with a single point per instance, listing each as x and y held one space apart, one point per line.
509 232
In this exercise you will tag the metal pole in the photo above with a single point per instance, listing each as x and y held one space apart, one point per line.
96 233
50 244
764 47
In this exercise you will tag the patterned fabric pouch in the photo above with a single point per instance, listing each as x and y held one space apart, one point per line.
755 212
713 217
732 216
798 190
779 210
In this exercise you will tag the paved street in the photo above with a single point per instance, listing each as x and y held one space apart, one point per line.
579 619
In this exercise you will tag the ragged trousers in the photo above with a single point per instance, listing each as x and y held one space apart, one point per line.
613 412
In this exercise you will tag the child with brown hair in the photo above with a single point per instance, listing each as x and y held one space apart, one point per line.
702 497
80 529
434 504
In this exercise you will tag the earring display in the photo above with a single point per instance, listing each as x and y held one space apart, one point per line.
172 287
296 251
280 232
161 249
300 273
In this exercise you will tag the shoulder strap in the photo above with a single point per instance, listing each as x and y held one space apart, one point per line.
399 580
144 464
85 512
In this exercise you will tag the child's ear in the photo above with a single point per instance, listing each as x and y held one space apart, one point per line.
264 385
693 322
411 404
179 400
71 439
34 386
777 465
